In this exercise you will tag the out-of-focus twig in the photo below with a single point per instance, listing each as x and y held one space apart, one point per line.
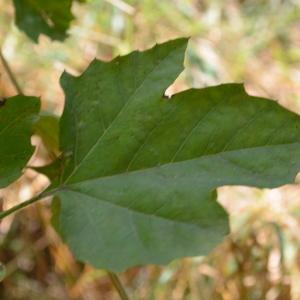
10 73
118 285
122 6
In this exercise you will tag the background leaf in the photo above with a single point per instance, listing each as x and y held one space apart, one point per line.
139 184
51 18
17 116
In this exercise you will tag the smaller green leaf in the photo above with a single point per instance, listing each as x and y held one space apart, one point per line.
51 18
17 117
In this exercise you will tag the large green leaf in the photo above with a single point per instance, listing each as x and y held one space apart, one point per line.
141 172
17 116
49 17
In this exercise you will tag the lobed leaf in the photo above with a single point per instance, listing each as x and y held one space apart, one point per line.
140 172
17 117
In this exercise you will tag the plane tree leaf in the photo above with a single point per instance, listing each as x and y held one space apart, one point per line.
140 171
17 117
51 18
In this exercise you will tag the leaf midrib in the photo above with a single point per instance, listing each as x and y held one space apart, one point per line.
178 162
131 209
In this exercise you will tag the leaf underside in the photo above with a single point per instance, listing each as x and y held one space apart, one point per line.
51 17
140 172
17 117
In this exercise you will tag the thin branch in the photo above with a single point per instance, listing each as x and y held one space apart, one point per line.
123 6
118 285
24 204
10 73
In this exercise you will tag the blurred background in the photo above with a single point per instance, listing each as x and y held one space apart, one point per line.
252 41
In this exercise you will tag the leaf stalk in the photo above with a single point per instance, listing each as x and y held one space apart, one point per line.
26 203
118 285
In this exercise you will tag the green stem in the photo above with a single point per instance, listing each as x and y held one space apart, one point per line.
10 73
118 285
24 204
